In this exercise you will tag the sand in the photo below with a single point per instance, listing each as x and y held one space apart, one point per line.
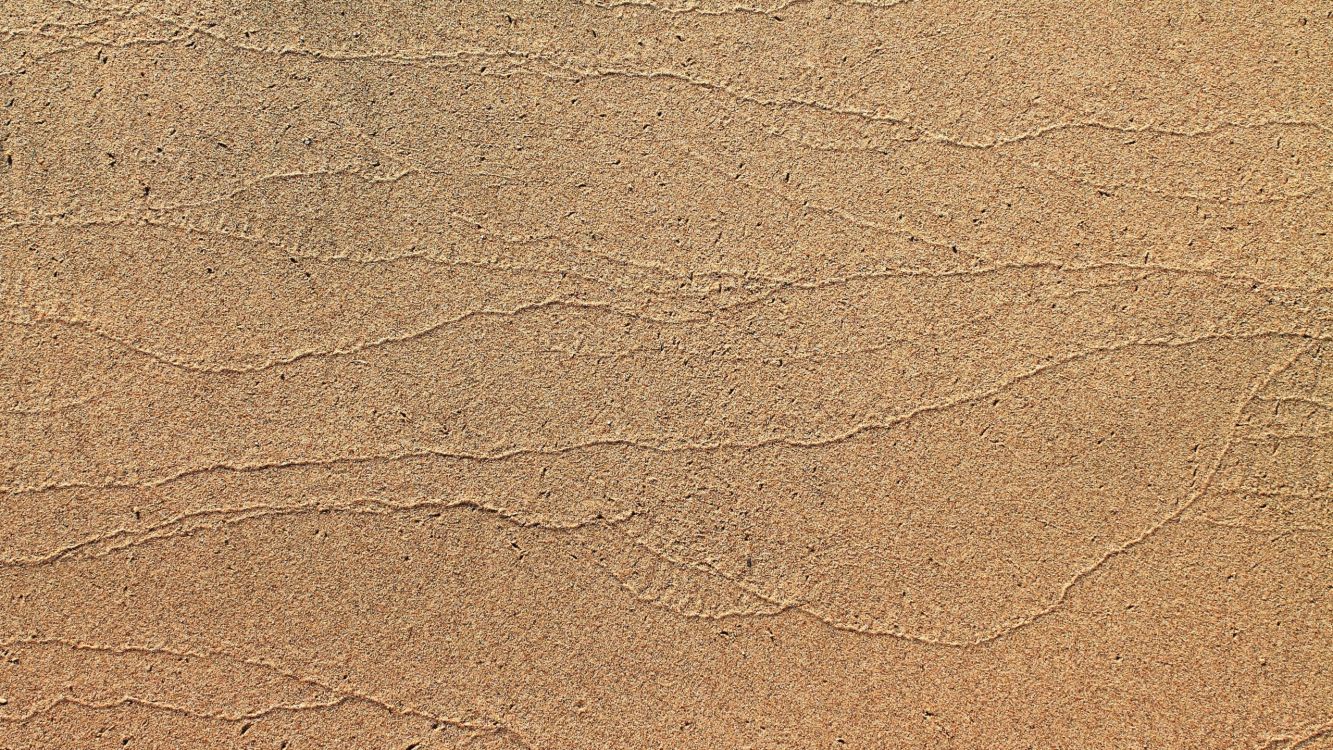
666 374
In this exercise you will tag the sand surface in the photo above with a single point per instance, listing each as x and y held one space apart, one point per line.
666 374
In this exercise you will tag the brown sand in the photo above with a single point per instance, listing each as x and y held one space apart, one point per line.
666 374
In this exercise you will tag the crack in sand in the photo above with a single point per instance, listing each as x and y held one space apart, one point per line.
93 327
224 516
335 687
1297 740
681 446
396 57
128 700
862 625
869 627
1194 77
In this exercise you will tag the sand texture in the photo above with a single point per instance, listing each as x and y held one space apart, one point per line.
681 374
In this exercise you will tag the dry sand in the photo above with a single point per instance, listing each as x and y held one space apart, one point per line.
661 374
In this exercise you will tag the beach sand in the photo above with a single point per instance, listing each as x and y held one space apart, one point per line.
592 374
